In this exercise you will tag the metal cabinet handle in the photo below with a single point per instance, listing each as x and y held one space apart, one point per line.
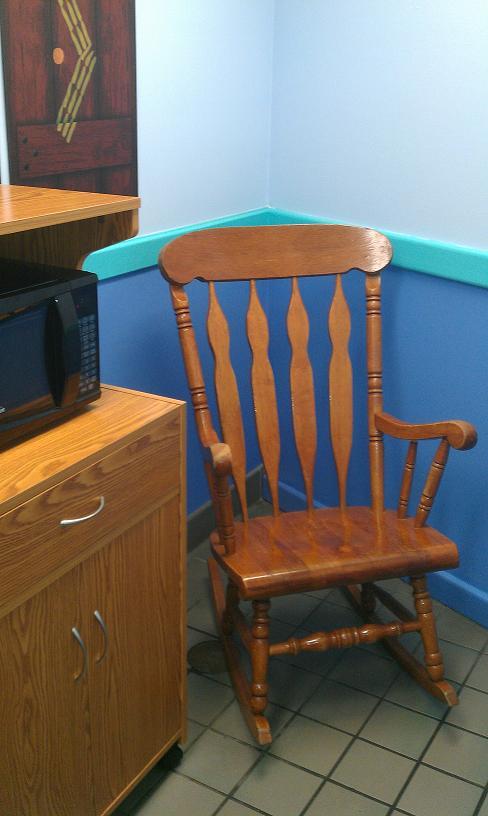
82 646
103 627
65 522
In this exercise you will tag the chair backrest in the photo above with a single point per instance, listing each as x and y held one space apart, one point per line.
256 253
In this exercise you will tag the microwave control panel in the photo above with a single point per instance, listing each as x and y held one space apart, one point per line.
89 374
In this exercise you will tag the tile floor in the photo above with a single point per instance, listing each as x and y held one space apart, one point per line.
353 735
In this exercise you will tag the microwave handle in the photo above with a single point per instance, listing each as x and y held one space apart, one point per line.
63 349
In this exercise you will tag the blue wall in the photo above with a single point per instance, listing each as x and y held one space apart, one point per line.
139 349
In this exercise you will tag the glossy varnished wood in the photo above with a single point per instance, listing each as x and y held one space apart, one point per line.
34 547
302 390
227 394
243 253
37 463
348 547
71 746
43 770
26 208
135 688
340 387
61 226
264 393
330 547
407 479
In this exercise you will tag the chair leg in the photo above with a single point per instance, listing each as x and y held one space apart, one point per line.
430 675
423 606
258 725
259 656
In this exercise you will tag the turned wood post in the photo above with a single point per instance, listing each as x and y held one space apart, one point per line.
428 633
259 656
375 390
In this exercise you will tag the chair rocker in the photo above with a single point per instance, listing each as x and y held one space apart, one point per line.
347 547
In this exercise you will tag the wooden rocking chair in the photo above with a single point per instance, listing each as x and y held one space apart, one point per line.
348 547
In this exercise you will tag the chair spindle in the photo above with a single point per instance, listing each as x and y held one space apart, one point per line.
375 390
407 480
432 483
302 390
264 393
227 394
340 387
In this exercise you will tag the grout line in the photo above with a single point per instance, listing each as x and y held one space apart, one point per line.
429 743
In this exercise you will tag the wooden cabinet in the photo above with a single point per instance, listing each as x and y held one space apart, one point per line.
92 659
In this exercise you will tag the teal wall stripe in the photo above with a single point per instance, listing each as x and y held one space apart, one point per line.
444 260
142 252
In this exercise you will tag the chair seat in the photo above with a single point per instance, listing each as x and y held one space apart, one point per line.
301 551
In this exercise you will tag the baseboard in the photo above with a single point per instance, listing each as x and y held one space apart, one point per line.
202 521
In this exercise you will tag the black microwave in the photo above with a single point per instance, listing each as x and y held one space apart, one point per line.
49 350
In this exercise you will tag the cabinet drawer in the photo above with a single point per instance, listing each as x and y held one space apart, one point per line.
35 547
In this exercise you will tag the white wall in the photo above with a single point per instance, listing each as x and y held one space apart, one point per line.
204 70
380 114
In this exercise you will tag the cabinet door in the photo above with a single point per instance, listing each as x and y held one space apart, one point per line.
135 681
45 765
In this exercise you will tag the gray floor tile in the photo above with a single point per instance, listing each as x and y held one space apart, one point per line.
340 706
329 616
431 792
338 801
399 729
460 753
374 771
201 617
336 596
458 660
178 796
236 809
319 593
218 761
198 585
193 732
478 678
405 691
201 552
293 608
277 788
456 628
206 698
365 671
472 712
232 723
290 686
194 636
311 745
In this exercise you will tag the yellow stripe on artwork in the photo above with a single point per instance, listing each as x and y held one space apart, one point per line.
82 72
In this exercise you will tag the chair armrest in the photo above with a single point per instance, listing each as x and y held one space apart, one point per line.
461 435
219 456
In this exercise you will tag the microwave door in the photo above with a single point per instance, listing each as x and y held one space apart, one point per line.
63 350
24 386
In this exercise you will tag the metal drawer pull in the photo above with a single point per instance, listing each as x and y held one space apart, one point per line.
82 646
103 627
65 522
